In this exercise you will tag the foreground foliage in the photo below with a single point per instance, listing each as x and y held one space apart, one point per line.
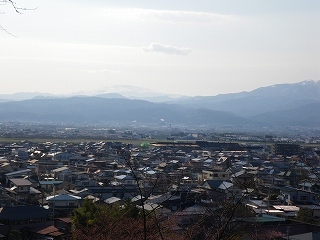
93 221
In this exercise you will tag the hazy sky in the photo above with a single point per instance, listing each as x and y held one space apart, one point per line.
178 47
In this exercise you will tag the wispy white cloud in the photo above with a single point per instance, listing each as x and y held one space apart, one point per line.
185 17
157 47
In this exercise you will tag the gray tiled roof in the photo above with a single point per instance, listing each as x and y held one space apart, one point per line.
20 182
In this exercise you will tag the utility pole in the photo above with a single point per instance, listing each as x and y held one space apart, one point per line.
288 231
54 199
42 195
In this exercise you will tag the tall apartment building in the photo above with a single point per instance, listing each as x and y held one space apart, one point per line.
286 149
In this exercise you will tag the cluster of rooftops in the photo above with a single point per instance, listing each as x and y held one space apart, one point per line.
176 177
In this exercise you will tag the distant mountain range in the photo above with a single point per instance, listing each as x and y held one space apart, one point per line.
118 91
261 100
274 106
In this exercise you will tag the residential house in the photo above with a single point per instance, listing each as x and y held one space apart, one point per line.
44 167
21 153
290 195
309 186
5 167
113 200
166 200
217 175
243 179
49 185
125 180
123 192
61 156
83 193
63 202
62 173
21 191
291 176
20 217
220 190
17 174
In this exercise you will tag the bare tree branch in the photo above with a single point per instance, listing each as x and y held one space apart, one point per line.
3 29
16 9
15 6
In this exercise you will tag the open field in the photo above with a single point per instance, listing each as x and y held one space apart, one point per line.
73 140
135 142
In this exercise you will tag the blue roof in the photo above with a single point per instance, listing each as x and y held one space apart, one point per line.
63 197
50 182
